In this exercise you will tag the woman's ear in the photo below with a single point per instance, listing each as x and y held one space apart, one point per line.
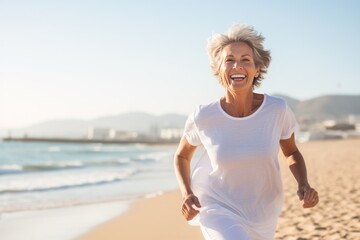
257 73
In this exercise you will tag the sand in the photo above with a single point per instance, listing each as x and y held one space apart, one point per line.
333 169
155 218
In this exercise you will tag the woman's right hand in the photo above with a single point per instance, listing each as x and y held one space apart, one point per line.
190 206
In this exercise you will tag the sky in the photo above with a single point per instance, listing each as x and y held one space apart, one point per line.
88 59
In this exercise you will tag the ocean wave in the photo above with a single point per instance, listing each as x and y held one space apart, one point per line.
47 166
53 166
154 157
86 149
110 149
60 165
62 181
54 149
118 161
10 169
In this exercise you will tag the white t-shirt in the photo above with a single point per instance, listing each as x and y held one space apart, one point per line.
240 170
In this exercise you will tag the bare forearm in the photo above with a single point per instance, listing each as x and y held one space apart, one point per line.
298 168
182 170
182 161
306 193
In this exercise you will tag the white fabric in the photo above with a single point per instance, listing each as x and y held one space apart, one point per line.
237 179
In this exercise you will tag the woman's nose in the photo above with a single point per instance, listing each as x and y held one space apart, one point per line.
237 64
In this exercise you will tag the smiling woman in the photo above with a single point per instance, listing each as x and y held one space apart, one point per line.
235 191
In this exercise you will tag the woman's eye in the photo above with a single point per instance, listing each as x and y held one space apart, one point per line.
229 60
246 60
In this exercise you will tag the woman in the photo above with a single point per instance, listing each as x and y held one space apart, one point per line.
236 190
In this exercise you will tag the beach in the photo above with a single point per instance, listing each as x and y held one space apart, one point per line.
333 169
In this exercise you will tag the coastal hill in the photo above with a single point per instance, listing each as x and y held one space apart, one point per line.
335 107
319 108
325 107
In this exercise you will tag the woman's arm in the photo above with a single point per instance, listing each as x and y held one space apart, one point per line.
298 168
182 161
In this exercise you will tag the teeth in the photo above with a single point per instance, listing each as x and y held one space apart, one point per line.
238 76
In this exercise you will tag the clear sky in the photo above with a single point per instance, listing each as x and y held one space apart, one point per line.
87 59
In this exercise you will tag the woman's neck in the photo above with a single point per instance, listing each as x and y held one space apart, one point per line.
241 105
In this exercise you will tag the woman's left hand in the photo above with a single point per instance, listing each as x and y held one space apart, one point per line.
309 195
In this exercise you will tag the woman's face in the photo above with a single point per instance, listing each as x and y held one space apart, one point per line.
237 69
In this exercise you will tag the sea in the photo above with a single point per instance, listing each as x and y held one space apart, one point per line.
36 176
60 191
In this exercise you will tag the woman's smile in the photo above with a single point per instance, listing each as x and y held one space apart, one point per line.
237 77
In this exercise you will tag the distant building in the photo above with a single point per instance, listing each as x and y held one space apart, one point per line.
98 133
110 134
154 132
122 135
171 133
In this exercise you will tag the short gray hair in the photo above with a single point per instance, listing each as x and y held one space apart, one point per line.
239 33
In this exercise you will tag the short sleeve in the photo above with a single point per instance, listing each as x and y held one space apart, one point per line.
289 125
191 132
